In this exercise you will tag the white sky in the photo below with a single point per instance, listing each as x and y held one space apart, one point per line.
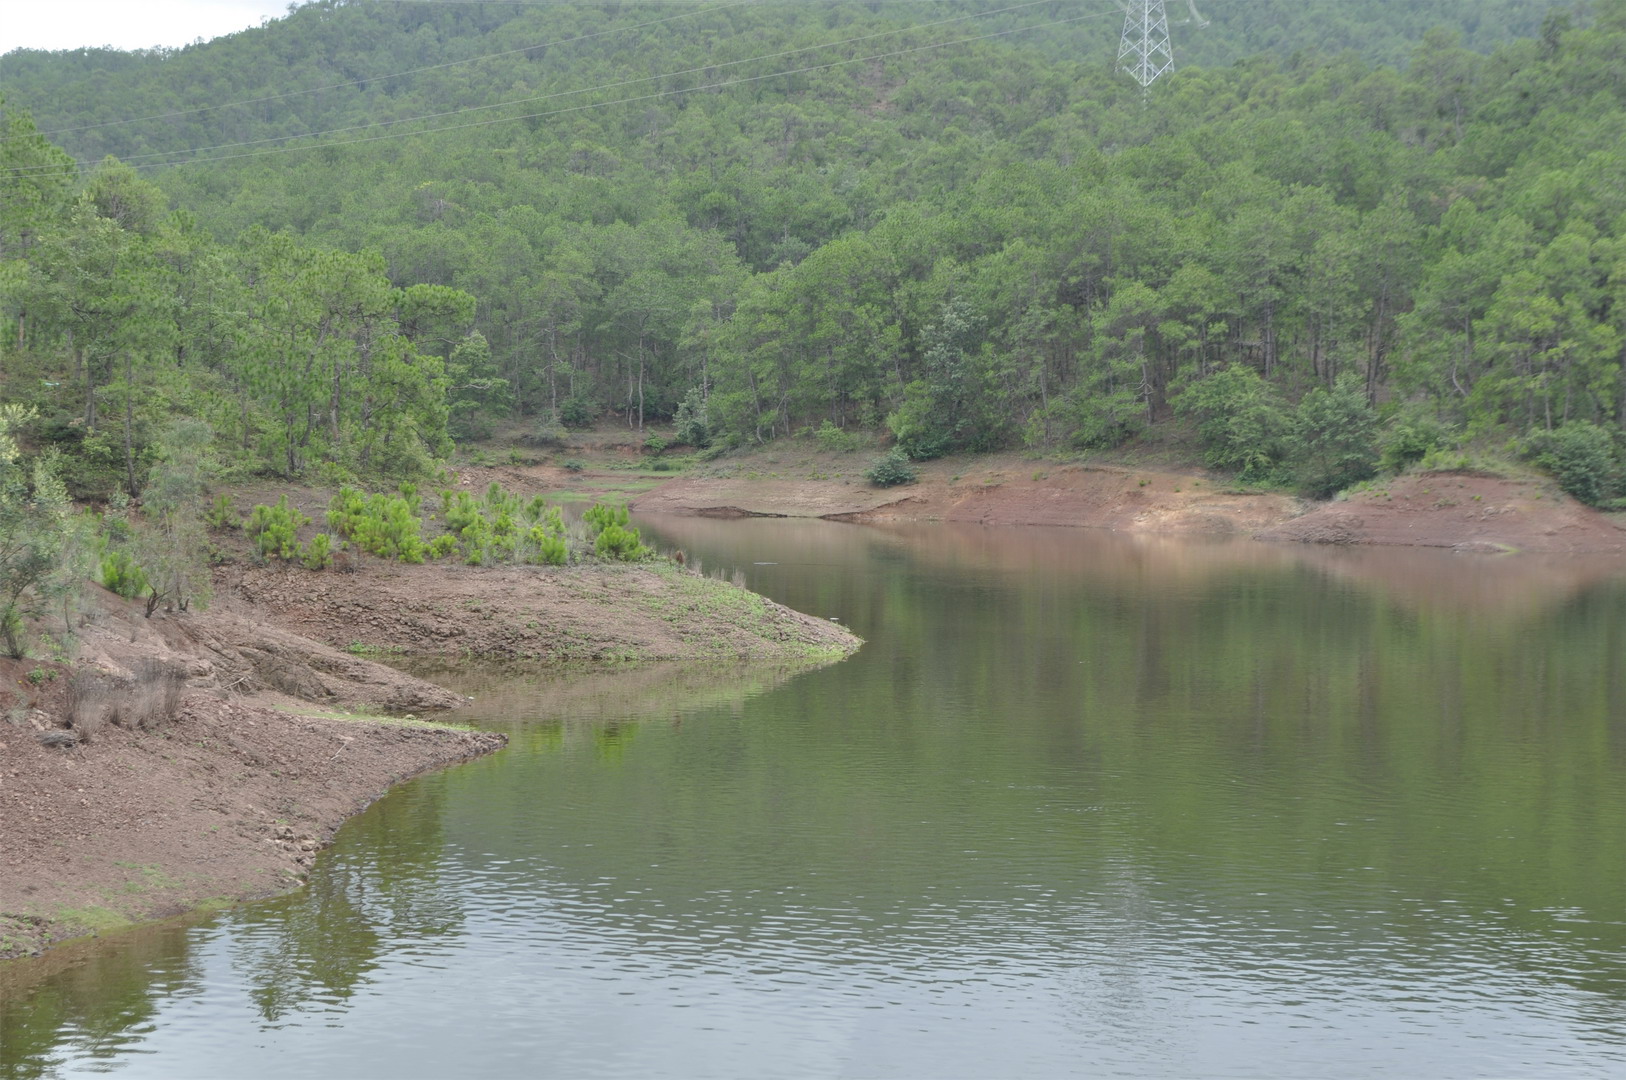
126 24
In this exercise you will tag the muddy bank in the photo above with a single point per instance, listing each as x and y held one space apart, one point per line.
646 611
221 801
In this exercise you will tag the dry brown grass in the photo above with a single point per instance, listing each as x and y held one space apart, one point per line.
144 702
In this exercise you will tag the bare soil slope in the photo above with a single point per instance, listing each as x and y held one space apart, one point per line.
1460 510
614 612
223 801
994 490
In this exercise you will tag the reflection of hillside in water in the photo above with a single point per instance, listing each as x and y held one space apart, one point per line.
103 996
1419 579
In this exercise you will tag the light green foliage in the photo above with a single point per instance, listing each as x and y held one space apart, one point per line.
891 469
222 514
500 527
601 516
379 524
121 574
620 543
173 547
317 553
834 440
275 529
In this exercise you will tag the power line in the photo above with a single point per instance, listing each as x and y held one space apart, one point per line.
144 164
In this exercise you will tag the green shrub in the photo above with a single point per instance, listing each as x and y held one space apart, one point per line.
274 529
1410 439
620 543
1582 456
442 546
1334 438
891 469
834 439
577 412
547 549
122 575
318 554
689 423
655 445
1240 418
601 516
382 525
222 515
571 465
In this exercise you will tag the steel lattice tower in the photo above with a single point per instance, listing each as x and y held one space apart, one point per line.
1144 51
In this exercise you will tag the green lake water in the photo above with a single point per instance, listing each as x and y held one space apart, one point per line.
1083 805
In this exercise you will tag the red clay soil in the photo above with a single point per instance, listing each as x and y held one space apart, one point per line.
1459 510
1000 490
1464 511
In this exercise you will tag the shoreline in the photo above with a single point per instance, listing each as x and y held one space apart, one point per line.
228 802
114 814
1464 511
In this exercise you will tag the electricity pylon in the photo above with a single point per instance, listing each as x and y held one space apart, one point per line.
1144 51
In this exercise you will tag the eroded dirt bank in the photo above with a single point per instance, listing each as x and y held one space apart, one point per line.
163 770
221 801
1465 511
999 490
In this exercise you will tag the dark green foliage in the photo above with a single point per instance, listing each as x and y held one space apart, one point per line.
1409 439
891 469
275 529
1242 421
689 421
1583 457
1334 439
578 412
1019 245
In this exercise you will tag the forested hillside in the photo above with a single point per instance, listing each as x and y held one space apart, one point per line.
951 222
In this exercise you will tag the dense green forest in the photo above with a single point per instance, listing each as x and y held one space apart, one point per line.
1366 233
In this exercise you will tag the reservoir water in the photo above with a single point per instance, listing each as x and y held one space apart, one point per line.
1083 805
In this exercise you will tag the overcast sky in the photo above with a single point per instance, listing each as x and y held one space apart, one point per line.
126 24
